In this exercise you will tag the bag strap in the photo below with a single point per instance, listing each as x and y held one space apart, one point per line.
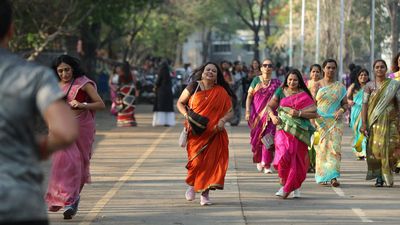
198 85
69 89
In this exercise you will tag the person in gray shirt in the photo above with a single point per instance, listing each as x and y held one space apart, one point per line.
27 91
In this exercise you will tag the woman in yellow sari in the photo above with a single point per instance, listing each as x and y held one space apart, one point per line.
210 97
330 96
380 114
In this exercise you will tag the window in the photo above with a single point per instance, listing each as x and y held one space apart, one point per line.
219 48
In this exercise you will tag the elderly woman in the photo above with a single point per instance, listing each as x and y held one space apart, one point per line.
70 167
208 97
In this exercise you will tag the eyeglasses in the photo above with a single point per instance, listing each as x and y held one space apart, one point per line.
267 65
61 70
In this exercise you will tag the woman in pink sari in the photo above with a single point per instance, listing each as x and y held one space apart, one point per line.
262 131
70 167
294 130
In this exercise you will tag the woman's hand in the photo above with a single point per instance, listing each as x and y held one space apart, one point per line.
294 113
247 116
339 114
275 120
221 125
76 105
363 129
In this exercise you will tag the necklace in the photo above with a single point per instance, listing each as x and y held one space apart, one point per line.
266 82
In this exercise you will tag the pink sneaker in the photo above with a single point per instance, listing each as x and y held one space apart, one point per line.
190 195
204 199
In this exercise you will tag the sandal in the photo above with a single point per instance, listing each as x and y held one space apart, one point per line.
379 182
335 183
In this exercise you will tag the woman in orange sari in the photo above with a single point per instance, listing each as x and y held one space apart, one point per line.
209 96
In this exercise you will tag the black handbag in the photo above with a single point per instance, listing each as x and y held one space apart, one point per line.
197 122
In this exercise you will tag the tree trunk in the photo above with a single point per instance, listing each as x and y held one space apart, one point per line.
394 7
256 46
206 39
90 39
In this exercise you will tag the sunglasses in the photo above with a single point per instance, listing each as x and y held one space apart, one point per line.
267 65
66 69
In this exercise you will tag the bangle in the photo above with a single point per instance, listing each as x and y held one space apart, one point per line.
299 113
185 115
343 110
223 121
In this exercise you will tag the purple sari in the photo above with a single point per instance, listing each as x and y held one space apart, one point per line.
261 128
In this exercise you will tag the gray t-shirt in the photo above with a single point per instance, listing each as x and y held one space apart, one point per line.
26 90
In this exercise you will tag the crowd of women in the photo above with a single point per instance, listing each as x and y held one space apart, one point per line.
296 126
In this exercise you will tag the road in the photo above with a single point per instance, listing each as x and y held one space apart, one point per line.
138 178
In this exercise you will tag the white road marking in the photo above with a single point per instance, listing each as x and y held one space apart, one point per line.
338 191
361 214
91 216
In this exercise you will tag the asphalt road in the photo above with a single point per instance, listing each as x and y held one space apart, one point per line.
138 178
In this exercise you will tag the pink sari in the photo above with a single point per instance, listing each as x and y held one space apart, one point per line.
292 139
70 166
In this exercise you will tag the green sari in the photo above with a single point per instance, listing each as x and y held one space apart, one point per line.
384 138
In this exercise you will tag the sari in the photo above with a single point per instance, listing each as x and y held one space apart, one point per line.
126 106
259 122
292 140
356 122
311 84
70 166
328 150
395 75
384 139
208 153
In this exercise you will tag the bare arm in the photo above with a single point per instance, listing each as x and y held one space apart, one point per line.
182 102
96 101
273 104
63 128
249 100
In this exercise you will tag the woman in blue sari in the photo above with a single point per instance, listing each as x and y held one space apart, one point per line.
355 95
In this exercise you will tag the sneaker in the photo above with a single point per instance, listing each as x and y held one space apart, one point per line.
71 210
296 193
205 199
259 167
190 195
267 170
280 192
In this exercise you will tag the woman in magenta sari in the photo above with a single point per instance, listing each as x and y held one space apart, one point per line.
262 131
295 109
70 167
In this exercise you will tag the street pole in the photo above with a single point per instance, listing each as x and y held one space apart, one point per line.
290 33
372 37
303 11
317 35
341 39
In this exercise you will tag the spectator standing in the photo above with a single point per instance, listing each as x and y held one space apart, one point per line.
163 109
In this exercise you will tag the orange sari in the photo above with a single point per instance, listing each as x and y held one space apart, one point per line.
208 153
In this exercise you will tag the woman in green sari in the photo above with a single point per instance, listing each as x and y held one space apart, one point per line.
355 94
330 96
380 113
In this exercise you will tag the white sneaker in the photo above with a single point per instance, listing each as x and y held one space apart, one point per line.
267 171
205 199
296 193
280 192
259 167
190 194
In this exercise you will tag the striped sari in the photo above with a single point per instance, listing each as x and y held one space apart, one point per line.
292 140
328 150
384 139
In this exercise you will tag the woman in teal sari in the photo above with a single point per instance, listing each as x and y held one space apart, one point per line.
380 115
355 95
330 96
